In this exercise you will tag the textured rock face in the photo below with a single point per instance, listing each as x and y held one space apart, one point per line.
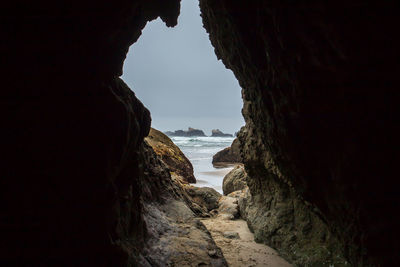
319 81
171 155
235 180
204 196
70 188
173 236
229 155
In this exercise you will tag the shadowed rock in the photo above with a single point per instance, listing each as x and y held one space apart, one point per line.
172 156
228 155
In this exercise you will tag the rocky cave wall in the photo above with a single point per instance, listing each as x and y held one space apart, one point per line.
72 174
320 83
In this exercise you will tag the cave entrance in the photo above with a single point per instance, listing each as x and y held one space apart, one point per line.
177 76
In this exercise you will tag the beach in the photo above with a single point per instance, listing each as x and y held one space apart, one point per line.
200 150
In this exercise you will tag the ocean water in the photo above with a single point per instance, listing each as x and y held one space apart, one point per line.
200 150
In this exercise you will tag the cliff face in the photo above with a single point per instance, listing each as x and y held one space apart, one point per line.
70 191
319 82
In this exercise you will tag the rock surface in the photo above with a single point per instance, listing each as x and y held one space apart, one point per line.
174 236
171 155
320 87
218 133
318 106
230 154
204 196
228 207
235 180
189 133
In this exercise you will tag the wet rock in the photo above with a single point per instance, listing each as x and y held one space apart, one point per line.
228 207
235 180
176 238
171 155
204 196
229 155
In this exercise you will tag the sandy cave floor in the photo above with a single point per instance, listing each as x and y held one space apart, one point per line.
242 251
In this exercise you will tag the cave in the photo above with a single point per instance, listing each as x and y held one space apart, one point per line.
319 83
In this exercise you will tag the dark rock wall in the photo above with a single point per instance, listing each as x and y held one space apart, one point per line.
319 83
319 87
72 132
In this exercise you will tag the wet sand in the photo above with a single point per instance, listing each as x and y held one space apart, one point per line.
244 251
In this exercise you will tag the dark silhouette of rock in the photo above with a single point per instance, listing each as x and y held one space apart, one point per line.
218 133
189 133
319 82
171 155
229 155
320 135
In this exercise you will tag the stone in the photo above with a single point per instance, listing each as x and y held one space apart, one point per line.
171 155
228 155
235 180
319 84
320 124
204 196
228 206
231 235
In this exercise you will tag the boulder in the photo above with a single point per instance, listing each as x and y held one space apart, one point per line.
229 155
204 196
235 180
218 133
171 155
228 207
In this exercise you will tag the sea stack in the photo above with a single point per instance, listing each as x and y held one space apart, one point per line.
218 133
189 133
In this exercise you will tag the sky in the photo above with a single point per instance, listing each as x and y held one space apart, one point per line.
177 76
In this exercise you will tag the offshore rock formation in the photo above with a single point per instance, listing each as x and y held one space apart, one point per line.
218 133
171 155
318 82
189 133
229 155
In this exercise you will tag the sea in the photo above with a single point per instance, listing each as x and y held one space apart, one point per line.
199 151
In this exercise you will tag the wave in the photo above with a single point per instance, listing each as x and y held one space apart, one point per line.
203 141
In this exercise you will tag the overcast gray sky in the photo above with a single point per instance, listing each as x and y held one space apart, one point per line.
176 74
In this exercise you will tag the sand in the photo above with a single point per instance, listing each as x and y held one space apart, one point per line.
243 251
219 173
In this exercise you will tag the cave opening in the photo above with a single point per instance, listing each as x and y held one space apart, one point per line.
176 74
